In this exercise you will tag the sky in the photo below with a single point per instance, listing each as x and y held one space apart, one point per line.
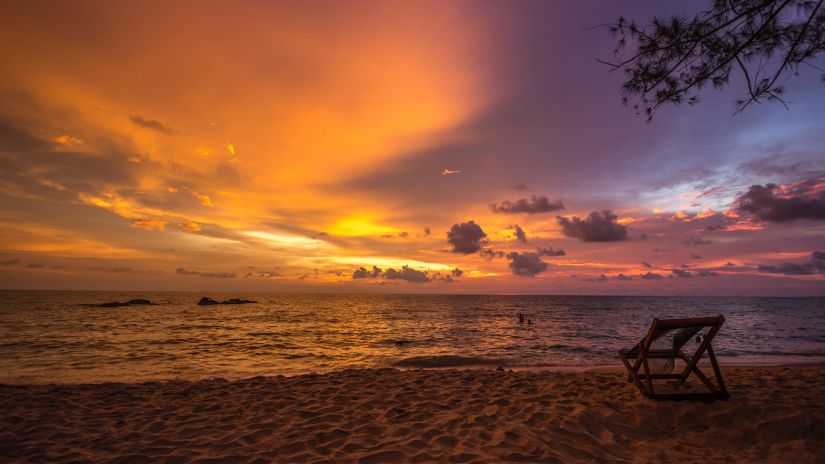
394 147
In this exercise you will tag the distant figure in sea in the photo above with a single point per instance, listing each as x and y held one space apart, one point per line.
529 322
521 318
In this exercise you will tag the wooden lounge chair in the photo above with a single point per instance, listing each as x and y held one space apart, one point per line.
682 331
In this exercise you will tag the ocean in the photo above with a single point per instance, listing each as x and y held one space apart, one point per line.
54 337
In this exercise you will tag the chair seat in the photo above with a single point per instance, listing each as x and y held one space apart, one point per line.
634 353
683 330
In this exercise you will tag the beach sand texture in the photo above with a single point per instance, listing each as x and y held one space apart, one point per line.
387 415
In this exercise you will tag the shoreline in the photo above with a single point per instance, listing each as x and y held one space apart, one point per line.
774 414
766 363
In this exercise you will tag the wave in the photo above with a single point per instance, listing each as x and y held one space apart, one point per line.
448 361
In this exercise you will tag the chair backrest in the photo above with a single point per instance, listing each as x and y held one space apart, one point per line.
685 329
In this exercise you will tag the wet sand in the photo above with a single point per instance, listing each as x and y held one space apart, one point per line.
372 416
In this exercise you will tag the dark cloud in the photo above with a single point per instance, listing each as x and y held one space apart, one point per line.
526 264
602 278
647 265
788 268
467 237
150 124
10 262
706 273
520 235
520 187
35 265
682 273
814 266
651 275
730 264
714 228
697 241
695 256
219 275
550 252
427 231
597 227
623 277
489 254
264 274
407 273
534 205
363 273
772 203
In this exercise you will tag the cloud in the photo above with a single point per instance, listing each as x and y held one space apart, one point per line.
647 265
682 273
775 203
814 266
150 124
467 237
697 241
550 252
534 205
706 273
363 273
623 277
263 274
695 256
407 273
598 227
10 262
449 172
526 264
427 231
651 276
219 275
520 235
489 254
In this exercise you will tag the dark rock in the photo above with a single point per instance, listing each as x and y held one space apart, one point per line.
118 304
113 304
500 369
232 301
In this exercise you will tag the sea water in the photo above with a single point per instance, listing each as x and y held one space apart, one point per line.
55 337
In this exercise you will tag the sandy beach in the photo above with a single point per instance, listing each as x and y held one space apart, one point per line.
388 415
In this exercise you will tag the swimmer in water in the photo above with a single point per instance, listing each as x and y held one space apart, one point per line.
520 318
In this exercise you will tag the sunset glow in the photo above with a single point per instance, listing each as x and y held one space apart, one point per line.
269 147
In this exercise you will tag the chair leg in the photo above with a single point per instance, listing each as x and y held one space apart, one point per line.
717 372
632 374
705 380
647 376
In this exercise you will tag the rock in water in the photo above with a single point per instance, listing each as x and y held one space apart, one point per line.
114 304
238 301
207 301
